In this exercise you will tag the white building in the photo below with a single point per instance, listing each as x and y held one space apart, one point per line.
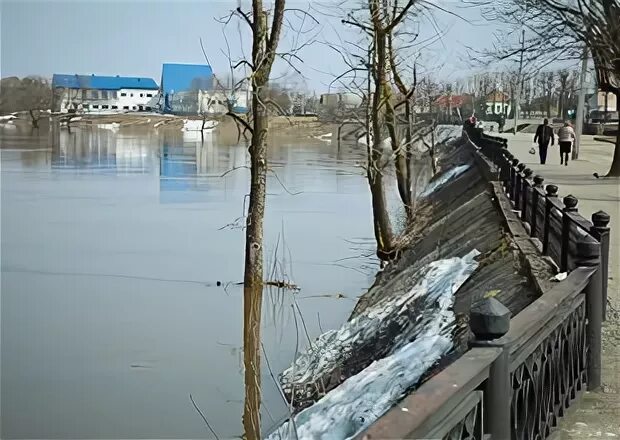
103 94
218 102
344 100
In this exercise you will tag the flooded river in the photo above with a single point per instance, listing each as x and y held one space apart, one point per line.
113 246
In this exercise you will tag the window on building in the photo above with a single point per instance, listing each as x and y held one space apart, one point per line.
84 94
141 95
126 107
85 106
105 106
113 94
148 109
114 107
149 95
123 94
94 94
135 108
104 94
95 106
131 94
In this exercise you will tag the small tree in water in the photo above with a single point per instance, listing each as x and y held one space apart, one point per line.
31 94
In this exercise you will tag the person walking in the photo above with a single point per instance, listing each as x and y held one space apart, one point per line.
566 136
543 135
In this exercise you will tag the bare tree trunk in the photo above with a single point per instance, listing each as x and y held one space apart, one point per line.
400 159
382 223
409 148
35 119
264 44
614 171
253 276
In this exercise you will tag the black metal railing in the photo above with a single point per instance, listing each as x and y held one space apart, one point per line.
517 386
556 223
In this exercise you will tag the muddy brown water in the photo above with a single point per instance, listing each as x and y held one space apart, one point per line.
113 244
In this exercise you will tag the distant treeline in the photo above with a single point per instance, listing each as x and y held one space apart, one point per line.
26 94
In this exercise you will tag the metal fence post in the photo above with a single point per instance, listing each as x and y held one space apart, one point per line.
538 184
527 174
513 178
570 206
505 175
589 256
489 320
600 231
552 194
518 186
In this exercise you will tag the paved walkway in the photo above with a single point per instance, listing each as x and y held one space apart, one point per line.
598 415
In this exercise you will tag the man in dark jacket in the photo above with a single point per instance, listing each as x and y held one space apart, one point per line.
543 135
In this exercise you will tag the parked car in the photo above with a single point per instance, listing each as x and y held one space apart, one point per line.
599 116
598 122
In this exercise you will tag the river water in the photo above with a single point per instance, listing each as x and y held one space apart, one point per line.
113 246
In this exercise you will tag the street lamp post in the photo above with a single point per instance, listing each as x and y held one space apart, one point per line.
580 104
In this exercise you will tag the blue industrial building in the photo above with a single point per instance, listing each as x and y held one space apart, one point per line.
182 86
102 82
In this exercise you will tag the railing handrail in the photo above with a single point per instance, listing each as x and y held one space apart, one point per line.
531 324
432 403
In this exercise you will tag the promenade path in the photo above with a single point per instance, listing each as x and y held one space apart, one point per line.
598 414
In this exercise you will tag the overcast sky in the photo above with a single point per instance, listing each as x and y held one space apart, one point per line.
134 38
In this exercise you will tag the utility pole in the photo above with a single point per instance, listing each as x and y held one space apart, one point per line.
581 100
519 83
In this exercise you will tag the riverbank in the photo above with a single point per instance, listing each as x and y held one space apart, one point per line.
598 413
348 377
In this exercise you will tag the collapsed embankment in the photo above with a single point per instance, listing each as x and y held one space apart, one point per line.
412 321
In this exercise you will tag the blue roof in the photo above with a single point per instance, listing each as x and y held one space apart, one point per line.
102 82
184 77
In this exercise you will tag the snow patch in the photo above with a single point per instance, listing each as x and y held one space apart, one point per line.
361 399
443 179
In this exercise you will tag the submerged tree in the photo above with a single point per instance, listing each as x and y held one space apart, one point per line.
265 37
379 21
267 26
31 94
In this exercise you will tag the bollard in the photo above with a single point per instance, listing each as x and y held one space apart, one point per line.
570 206
552 194
518 186
588 252
513 178
527 174
538 184
504 176
490 320
600 231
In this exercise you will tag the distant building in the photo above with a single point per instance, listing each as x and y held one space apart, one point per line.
453 105
498 103
602 101
103 94
182 87
190 89
342 100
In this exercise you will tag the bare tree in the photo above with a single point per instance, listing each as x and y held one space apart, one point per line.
379 20
265 38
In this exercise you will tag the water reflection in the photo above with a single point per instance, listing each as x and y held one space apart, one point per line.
112 246
102 150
